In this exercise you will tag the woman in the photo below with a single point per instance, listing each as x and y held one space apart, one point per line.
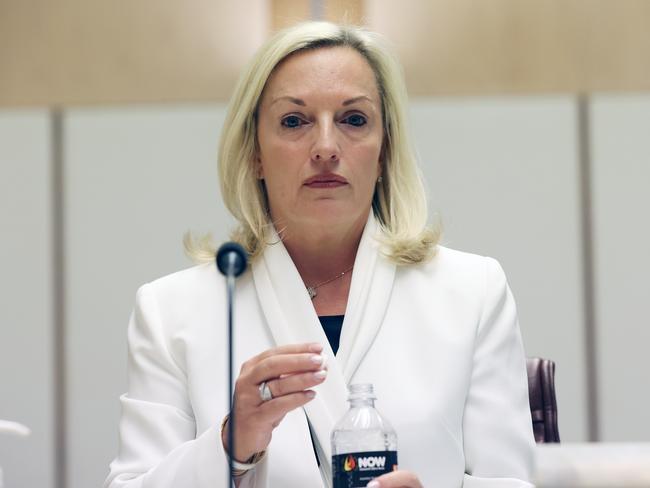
316 166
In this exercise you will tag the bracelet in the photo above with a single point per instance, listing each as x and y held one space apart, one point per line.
240 469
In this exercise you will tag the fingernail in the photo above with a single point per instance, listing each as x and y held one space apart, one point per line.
373 484
315 347
317 358
310 393
319 375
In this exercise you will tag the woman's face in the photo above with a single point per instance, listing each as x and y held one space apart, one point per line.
320 136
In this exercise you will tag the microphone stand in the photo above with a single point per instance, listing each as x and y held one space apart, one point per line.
231 260
230 285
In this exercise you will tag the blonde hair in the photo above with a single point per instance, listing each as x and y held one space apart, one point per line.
399 202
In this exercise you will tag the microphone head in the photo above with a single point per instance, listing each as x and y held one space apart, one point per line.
233 254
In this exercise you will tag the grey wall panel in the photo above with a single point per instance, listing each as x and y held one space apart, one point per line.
137 179
621 176
503 177
26 326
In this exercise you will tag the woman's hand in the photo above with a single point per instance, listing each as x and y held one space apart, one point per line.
288 371
396 479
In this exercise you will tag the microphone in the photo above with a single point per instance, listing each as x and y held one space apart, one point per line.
231 260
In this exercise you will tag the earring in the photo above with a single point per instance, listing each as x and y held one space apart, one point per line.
380 179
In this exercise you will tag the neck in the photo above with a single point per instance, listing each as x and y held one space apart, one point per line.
320 253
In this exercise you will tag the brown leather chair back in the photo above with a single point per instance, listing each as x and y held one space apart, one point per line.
541 393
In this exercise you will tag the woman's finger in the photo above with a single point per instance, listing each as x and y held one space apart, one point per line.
296 382
282 364
396 479
278 407
306 347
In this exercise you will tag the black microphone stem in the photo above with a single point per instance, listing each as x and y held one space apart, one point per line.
231 260
230 281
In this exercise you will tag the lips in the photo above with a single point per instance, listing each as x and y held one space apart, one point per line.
325 180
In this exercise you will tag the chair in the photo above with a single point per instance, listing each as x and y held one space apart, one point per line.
541 394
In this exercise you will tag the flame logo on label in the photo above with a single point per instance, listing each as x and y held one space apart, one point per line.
349 464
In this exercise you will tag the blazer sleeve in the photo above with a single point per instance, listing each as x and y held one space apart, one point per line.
159 446
497 426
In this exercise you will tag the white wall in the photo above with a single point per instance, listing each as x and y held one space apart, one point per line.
26 318
621 190
137 180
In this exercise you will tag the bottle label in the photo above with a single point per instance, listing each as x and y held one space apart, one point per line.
356 469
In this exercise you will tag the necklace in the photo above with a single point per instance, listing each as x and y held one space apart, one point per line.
312 289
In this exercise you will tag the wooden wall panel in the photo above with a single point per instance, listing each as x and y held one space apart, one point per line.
288 12
518 46
346 11
71 52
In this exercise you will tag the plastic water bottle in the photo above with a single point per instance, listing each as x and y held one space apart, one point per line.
364 445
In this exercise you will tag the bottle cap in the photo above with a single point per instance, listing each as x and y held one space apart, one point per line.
362 391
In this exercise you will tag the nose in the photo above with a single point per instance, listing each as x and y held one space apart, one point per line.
326 147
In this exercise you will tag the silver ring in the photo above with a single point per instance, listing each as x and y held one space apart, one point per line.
265 392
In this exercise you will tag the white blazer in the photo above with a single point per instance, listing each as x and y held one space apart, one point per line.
439 341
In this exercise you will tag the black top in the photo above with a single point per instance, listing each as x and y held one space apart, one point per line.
332 325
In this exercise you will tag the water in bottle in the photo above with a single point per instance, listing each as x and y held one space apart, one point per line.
364 445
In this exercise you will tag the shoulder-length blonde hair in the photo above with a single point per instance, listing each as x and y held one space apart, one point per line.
399 202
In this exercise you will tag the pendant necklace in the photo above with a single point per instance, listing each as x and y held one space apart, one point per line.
312 289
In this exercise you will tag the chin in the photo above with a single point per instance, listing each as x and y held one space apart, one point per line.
335 213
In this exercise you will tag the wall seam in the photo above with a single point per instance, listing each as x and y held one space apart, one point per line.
588 264
317 9
59 286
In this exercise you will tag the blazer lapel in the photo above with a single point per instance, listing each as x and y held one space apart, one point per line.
372 283
291 318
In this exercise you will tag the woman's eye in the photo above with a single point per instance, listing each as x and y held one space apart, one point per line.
356 120
291 122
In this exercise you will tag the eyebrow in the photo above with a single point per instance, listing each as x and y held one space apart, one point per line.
357 99
302 103
297 101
